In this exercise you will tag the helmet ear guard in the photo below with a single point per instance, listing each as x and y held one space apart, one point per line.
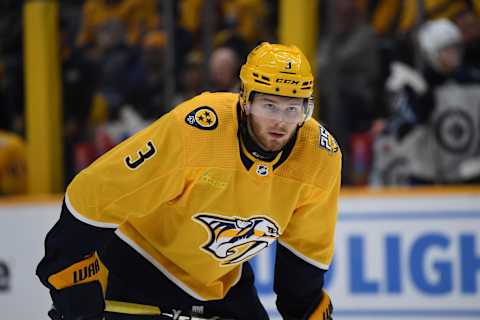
278 70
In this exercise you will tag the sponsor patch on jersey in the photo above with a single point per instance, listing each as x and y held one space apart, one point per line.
234 240
204 118
207 177
327 141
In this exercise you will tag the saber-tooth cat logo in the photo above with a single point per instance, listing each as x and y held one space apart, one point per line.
233 240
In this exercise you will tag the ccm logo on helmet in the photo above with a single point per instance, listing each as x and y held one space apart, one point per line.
287 81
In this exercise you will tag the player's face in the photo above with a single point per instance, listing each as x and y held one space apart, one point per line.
272 120
450 58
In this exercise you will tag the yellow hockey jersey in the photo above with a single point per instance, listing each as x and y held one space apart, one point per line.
180 193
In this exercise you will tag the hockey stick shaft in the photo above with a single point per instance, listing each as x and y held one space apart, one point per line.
131 308
114 306
121 307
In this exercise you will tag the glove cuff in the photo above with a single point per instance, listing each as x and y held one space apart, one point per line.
84 301
324 309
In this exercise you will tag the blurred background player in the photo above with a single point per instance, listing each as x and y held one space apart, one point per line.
434 130
158 222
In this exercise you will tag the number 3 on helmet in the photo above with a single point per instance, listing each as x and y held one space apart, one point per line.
280 70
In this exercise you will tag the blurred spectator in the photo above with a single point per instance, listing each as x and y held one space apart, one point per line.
11 66
146 81
240 23
11 94
247 18
138 16
190 15
395 17
230 39
80 80
224 66
5 113
114 59
469 24
433 135
13 167
348 68
192 78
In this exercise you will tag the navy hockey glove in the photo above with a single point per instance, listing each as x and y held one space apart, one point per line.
79 302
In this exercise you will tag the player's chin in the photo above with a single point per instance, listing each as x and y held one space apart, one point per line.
275 145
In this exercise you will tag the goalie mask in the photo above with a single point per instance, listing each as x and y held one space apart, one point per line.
278 70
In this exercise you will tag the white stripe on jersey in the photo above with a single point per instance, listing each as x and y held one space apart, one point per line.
82 218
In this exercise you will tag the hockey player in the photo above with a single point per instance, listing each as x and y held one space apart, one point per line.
433 134
171 216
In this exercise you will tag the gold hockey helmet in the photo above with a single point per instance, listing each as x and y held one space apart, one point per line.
279 70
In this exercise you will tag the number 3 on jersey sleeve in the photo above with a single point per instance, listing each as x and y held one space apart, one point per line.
142 156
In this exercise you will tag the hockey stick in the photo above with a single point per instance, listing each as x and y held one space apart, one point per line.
131 308
121 307
113 306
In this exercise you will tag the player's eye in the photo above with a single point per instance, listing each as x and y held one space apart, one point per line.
293 109
270 106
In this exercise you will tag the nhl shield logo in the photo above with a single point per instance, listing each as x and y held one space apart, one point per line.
234 240
262 170
203 118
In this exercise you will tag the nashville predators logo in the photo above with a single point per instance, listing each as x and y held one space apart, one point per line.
203 118
233 240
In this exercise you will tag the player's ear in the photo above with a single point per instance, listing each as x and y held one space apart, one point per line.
248 107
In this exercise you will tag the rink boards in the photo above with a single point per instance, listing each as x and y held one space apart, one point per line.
399 255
